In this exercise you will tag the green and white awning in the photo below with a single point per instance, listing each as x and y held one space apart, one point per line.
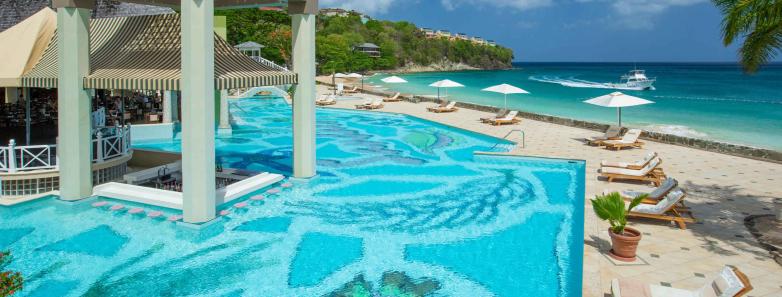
143 53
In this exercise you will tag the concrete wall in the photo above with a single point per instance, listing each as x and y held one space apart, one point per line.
151 132
702 144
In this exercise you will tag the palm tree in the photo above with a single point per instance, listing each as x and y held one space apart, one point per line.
759 22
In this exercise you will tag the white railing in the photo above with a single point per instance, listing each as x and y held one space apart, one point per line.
15 158
269 64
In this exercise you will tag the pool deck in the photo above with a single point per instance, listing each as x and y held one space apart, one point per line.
722 191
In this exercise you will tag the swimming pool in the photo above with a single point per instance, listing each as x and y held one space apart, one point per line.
401 207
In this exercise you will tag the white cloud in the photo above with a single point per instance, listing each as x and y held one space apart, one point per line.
511 4
640 14
364 6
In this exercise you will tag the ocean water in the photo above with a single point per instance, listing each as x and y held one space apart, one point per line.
710 101
401 207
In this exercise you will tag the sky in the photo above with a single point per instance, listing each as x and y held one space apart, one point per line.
571 30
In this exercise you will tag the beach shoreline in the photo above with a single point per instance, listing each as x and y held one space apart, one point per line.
739 150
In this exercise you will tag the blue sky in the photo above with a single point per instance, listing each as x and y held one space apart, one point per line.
572 30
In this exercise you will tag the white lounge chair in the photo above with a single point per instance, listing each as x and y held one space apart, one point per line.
651 172
665 209
730 282
634 165
654 196
630 139
613 133
450 107
371 104
395 98
326 100
509 118
500 114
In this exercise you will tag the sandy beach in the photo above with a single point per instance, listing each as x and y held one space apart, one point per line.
722 191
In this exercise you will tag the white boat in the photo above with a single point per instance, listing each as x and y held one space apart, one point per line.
635 80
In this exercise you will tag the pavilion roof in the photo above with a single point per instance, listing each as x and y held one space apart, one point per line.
144 52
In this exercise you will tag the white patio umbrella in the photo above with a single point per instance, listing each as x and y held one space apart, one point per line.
340 75
356 76
394 80
446 83
618 100
505 89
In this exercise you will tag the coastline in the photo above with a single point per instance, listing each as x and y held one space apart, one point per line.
440 67
738 150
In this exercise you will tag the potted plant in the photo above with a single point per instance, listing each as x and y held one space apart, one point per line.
624 240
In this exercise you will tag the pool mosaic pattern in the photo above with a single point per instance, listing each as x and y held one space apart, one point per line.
401 207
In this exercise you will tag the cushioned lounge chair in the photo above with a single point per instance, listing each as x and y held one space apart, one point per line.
451 107
500 114
630 165
326 100
630 139
730 282
395 98
351 91
371 104
651 173
613 133
667 185
509 118
666 209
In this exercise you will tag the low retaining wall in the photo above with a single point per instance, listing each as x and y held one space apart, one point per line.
702 144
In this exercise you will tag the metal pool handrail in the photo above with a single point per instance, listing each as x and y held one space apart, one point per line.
523 138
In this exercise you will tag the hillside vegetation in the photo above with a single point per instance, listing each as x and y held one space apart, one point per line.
402 45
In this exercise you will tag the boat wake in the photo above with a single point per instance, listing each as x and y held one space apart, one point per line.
677 130
573 82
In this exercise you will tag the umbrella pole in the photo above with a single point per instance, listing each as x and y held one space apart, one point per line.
506 101
334 82
438 95
619 115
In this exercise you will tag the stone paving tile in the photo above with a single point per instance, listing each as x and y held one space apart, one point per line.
722 189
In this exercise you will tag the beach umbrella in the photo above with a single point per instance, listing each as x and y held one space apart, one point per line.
340 75
505 89
356 76
446 83
618 100
394 80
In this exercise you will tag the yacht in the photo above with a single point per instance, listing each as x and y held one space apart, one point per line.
635 80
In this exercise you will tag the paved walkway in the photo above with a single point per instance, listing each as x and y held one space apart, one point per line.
722 191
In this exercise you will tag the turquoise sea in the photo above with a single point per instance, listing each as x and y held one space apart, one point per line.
711 101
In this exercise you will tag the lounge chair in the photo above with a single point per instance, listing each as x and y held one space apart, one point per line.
351 91
613 133
666 209
634 165
730 282
630 139
395 98
667 185
451 107
366 103
371 104
500 114
651 172
326 100
509 118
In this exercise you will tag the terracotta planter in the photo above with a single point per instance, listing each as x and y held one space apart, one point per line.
623 246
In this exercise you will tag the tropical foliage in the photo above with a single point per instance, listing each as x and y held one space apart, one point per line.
759 23
401 43
611 208
10 282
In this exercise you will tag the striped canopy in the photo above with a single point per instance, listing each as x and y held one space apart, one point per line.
143 53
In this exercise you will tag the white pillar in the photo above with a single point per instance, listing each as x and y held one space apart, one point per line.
74 123
225 114
198 112
11 94
170 107
303 16
27 115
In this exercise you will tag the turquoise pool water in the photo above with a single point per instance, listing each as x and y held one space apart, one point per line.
402 207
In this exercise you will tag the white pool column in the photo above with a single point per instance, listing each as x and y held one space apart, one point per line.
170 106
74 123
225 114
304 14
198 111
